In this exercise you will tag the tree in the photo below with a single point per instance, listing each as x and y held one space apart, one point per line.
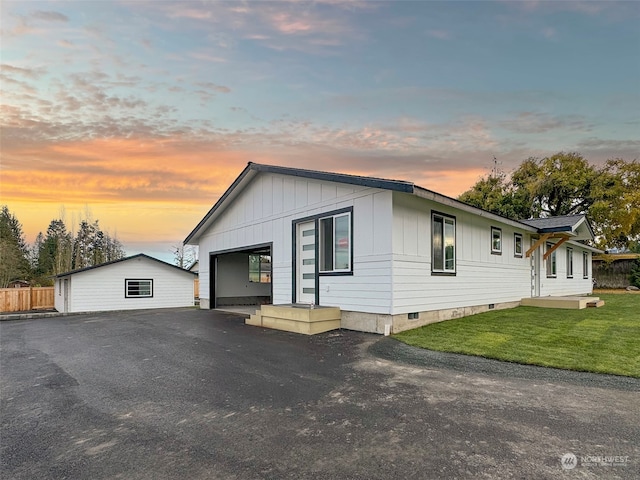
92 246
14 254
563 184
184 256
495 194
616 212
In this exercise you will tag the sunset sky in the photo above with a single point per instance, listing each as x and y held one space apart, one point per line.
144 112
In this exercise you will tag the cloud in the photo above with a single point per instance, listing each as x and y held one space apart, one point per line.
439 34
535 123
214 87
49 16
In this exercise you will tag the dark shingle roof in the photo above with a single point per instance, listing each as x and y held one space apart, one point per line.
563 223
141 255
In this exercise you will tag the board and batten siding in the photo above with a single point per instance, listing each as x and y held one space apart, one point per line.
561 285
103 288
481 277
264 213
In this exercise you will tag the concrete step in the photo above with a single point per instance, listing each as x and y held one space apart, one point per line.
254 319
296 319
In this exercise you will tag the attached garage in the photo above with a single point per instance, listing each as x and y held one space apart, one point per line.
131 283
241 277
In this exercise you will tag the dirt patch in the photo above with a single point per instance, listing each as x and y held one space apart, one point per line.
600 291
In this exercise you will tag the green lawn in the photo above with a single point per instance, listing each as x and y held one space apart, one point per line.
603 340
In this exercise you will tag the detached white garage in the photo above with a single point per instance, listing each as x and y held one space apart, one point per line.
131 283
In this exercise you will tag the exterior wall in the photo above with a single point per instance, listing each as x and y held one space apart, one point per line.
481 277
103 288
264 213
561 284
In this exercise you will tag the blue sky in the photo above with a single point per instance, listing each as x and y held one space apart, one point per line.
145 111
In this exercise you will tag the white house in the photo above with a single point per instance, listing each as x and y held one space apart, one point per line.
131 283
386 252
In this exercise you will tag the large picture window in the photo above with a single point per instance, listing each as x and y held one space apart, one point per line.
443 243
136 288
335 243
552 265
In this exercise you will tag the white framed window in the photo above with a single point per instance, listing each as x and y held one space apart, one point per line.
443 243
585 264
496 241
569 262
259 268
517 245
552 264
137 288
334 243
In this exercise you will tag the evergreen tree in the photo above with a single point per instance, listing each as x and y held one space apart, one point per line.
14 254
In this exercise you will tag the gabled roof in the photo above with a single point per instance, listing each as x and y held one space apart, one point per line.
139 255
575 225
253 169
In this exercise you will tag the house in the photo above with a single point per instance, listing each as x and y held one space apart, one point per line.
131 283
390 254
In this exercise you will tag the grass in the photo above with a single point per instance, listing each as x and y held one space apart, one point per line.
601 340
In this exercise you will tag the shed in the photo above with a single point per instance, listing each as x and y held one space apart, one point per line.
131 283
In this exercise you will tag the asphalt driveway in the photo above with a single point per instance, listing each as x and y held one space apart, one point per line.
198 395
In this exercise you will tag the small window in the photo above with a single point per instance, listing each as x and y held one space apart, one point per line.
335 243
260 268
552 266
569 262
585 264
138 288
517 245
443 244
496 241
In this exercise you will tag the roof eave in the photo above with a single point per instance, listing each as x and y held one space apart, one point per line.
451 202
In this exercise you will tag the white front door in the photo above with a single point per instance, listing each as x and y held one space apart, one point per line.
535 270
306 262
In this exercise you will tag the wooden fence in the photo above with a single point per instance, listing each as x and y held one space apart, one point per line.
613 271
25 299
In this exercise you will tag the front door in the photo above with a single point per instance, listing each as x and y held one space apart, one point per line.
535 271
306 262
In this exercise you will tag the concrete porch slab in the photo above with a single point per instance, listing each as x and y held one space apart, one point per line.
572 302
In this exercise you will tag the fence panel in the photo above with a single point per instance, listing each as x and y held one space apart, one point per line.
24 299
42 298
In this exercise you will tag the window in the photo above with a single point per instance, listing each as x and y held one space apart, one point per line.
443 244
517 245
496 241
552 266
260 268
569 262
585 264
138 288
335 243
